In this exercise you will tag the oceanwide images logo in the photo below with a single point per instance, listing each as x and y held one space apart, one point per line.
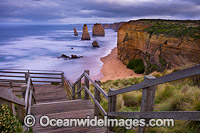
29 121
45 121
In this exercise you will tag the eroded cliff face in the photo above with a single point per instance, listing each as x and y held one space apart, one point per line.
158 51
98 30
114 26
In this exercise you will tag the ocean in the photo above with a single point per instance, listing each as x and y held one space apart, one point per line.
37 47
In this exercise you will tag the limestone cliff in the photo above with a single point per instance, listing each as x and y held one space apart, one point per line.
98 30
85 34
75 32
114 26
160 44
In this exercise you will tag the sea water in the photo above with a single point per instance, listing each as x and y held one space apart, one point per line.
37 47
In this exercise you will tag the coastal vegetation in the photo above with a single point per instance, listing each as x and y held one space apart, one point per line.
137 65
174 30
8 122
181 95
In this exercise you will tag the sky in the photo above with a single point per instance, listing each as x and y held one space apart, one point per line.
95 11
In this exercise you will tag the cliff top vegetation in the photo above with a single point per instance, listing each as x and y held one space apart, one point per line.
172 28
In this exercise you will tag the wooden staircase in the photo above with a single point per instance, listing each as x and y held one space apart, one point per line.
63 110
65 100
51 100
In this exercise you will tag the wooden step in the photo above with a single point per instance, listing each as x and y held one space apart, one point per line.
45 93
70 130
62 106
64 110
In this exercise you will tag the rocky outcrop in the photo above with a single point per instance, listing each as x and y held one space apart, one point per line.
85 34
95 44
157 48
65 57
75 56
114 26
98 30
75 32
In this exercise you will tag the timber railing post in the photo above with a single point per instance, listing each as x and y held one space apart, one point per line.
73 92
78 88
97 97
148 96
26 78
23 89
112 100
87 85
11 86
62 78
27 75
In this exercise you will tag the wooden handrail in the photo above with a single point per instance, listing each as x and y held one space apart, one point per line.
19 76
15 76
82 75
97 86
29 95
78 91
8 96
95 101
164 79
31 70
85 75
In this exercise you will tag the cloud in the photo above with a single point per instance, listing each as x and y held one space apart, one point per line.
43 11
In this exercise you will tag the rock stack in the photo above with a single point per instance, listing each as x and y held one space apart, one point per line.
98 30
95 44
85 34
75 32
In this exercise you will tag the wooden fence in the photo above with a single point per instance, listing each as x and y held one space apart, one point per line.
148 87
24 79
16 77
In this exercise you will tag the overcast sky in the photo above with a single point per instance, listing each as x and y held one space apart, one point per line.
92 11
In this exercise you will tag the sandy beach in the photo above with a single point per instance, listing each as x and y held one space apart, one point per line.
113 68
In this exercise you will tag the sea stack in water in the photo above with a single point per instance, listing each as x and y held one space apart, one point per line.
98 30
85 34
95 44
75 32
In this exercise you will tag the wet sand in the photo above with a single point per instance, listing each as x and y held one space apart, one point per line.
113 68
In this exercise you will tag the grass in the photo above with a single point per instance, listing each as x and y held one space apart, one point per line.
181 95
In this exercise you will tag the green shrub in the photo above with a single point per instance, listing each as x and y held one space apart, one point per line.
137 65
8 122
174 30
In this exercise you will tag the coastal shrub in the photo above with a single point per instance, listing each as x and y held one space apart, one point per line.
8 122
137 65
174 30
